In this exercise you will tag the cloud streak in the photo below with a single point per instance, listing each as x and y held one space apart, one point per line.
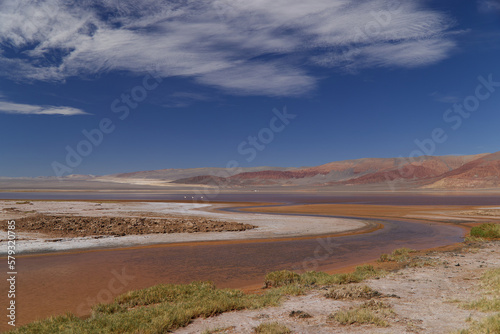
28 109
241 47
489 6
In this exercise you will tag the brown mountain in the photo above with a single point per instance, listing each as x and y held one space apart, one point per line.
422 172
483 172
426 168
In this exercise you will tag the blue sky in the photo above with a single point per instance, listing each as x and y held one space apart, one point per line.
359 79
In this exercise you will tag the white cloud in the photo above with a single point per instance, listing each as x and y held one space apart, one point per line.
243 47
28 109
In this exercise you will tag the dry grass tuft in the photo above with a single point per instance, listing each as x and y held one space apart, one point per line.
352 292
397 255
272 328
371 312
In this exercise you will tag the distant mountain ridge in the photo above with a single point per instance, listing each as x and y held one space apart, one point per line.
479 171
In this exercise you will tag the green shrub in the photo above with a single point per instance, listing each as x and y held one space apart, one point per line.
281 278
486 230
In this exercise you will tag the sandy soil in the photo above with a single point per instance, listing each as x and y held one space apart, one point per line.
267 226
423 299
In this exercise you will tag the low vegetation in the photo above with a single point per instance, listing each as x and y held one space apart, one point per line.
313 278
157 309
486 230
397 255
490 302
489 325
166 307
272 328
352 292
370 312
218 330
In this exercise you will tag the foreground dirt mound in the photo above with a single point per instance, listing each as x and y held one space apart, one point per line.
74 226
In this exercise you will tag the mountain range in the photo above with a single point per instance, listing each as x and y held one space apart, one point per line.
481 171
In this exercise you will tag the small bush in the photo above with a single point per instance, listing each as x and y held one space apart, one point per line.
419 263
317 278
473 240
487 230
281 278
384 258
272 328
293 290
351 292
397 255
372 312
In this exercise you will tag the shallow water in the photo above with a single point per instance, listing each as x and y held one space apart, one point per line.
388 198
57 283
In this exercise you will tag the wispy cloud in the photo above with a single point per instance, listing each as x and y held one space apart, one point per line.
184 99
445 98
29 109
488 6
242 47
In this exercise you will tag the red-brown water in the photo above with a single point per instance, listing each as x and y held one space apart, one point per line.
58 283
388 198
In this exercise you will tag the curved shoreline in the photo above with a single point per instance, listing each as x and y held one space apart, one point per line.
269 227
228 263
370 225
